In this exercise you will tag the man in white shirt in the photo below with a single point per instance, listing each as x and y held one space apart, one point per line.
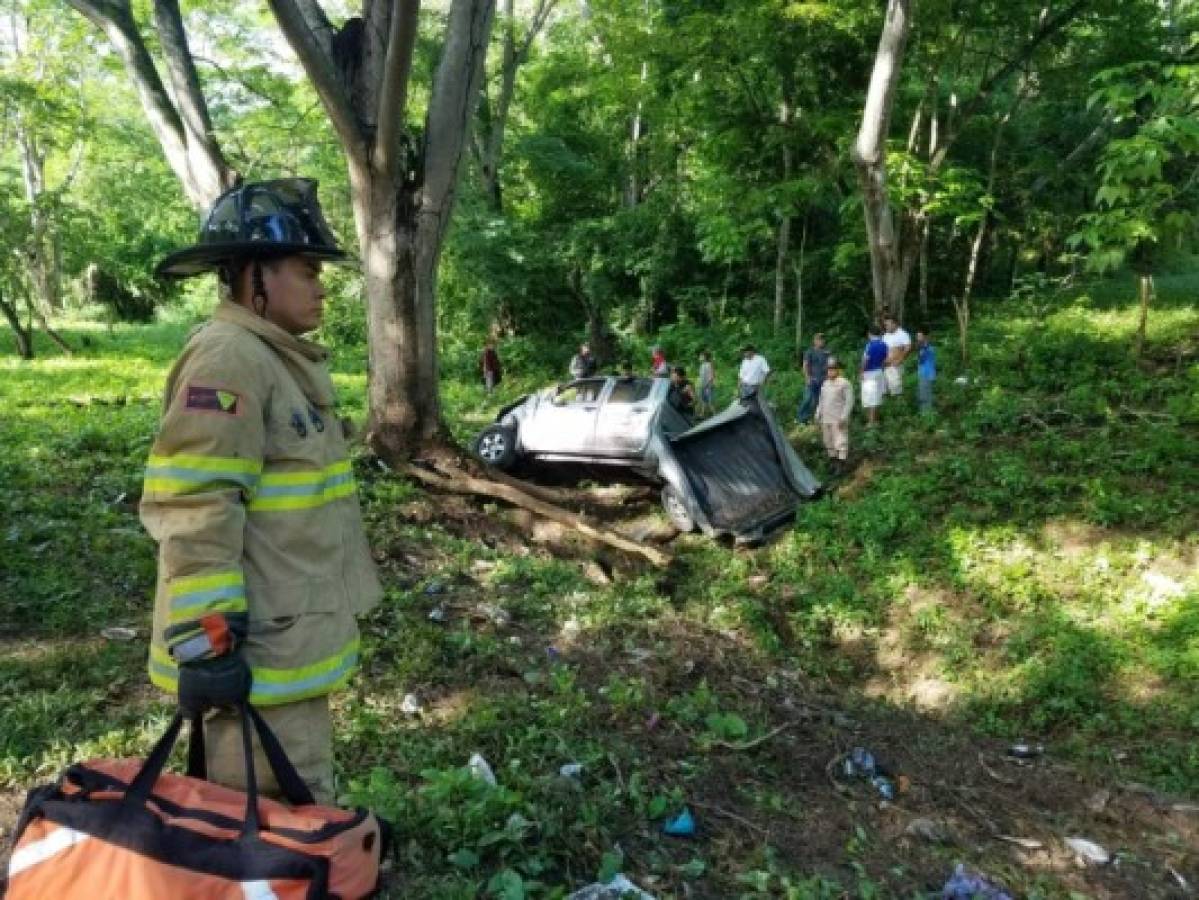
753 373
899 345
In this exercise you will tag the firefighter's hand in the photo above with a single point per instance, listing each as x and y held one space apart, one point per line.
223 681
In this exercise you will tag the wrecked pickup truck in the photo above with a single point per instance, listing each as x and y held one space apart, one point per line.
733 474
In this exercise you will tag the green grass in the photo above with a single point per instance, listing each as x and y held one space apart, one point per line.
1023 565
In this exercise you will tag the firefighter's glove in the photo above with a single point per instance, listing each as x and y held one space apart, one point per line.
222 681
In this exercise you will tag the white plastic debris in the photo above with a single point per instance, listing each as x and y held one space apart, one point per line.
481 769
619 888
411 705
1162 586
439 614
498 616
571 770
1022 842
570 629
1089 851
929 830
118 633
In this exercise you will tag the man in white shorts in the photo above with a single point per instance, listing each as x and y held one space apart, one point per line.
899 345
873 359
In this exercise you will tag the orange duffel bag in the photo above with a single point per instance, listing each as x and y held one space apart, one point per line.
121 829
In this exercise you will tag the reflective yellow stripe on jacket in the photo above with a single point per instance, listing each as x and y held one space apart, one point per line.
189 474
281 491
201 595
273 686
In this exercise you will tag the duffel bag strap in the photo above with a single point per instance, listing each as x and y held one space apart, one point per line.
197 755
292 786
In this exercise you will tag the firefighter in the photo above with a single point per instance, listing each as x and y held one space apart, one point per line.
263 563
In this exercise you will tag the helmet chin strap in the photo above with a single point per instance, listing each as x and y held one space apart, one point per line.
258 299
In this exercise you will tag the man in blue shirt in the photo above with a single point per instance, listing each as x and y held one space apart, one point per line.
873 385
926 371
815 369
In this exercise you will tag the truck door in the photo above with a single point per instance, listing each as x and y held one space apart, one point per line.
622 428
565 422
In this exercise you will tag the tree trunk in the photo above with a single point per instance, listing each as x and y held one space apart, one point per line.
784 232
41 258
962 312
401 217
924 270
22 334
1143 324
869 155
780 272
799 267
495 123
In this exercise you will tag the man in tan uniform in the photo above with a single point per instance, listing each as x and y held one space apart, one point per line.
832 412
263 562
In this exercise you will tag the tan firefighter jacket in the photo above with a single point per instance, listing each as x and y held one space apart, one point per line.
249 494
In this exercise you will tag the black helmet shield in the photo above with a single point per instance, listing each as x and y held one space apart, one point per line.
257 220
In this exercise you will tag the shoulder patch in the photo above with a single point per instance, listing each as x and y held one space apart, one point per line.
200 398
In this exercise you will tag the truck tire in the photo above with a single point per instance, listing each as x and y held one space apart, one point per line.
496 446
676 509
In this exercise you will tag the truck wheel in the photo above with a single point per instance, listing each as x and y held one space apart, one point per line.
496 446
676 509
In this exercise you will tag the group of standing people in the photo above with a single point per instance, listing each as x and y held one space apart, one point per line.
828 395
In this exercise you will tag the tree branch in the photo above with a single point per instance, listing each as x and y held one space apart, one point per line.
393 92
189 96
115 19
452 102
540 15
315 56
1048 28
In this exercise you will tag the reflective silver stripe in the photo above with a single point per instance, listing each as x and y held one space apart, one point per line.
257 890
192 648
40 851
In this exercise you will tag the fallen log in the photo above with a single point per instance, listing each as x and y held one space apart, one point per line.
467 484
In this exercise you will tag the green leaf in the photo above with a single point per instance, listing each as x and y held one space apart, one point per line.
464 858
507 885
610 865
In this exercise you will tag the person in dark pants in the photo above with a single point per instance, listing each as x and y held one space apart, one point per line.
489 366
815 370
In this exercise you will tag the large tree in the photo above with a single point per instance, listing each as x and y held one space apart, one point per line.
402 185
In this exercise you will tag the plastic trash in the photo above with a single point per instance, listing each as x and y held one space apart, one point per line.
964 884
411 705
498 616
571 770
619 888
118 633
481 769
1022 842
1089 851
885 786
682 825
860 763
1025 751
929 830
439 614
